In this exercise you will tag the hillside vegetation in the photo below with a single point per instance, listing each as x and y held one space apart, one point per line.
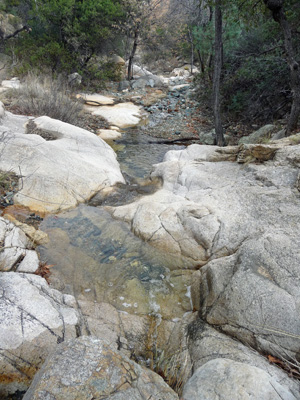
65 36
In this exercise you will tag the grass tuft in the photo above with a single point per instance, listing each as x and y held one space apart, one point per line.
43 95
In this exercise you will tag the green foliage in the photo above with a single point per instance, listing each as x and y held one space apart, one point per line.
256 76
65 33
255 83
97 73
43 54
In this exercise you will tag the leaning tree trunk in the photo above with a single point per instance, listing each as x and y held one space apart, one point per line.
276 6
217 74
130 61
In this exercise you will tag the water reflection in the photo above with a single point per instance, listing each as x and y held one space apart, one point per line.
138 152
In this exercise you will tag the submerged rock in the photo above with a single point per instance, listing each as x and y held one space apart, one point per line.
89 368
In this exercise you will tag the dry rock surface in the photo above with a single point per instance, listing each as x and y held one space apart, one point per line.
122 115
33 320
242 382
87 368
225 367
16 253
240 221
96 99
61 165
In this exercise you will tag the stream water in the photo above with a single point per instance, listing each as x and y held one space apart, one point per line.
97 258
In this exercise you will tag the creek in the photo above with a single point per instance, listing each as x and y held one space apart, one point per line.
97 258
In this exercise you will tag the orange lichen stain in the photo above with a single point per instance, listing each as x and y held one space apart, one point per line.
25 376
18 212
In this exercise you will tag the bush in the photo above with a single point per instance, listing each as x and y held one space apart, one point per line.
98 72
41 54
46 96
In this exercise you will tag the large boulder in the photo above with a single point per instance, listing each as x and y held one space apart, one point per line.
117 60
8 24
238 370
147 81
226 379
259 136
33 320
109 134
182 71
241 222
254 293
61 165
138 71
88 367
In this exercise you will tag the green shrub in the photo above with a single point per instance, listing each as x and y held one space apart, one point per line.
42 54
96 73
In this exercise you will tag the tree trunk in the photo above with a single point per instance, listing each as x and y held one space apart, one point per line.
130 61
217 74
202 66
192 49
276 6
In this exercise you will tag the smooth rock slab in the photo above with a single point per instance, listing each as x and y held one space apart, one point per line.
88 368
109 134
254 294
241 222
33 319
226 379
61 165
123 115
96 99
207 344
